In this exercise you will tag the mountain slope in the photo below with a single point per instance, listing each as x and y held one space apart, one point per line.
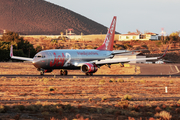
37 17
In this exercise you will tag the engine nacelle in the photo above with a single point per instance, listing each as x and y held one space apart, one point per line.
89 68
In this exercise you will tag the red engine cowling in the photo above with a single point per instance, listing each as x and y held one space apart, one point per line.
89 68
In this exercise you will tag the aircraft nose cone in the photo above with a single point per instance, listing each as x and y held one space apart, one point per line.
35 64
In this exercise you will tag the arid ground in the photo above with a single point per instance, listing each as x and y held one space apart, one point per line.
93 98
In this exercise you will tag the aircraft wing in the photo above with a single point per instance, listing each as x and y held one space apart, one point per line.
117 60
123 60
19 58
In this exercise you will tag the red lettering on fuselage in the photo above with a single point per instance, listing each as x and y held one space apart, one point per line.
58 61
87 53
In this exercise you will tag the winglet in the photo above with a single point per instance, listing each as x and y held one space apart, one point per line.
11 51
164 53
109 40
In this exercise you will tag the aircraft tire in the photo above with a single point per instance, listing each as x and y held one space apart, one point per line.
61 72
65 72
42 73
89 74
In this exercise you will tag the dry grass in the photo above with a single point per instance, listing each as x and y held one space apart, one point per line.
86 98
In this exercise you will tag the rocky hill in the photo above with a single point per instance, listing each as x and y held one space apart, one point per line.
37 17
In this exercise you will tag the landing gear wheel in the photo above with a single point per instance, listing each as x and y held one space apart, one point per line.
63 72
41 72
89 74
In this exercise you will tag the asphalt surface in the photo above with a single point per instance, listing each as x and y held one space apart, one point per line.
84 76
159 69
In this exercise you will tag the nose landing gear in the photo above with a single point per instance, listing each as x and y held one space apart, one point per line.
41 72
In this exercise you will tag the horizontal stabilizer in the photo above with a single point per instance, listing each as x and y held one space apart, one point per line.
164 53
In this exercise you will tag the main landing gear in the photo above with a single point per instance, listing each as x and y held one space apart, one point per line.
63 72
42 71
89 74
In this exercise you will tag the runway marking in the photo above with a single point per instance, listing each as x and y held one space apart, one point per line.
173 70
177 68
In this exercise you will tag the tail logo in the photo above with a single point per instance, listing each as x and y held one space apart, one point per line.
109 40
109 35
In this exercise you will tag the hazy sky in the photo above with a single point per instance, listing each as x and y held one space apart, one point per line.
144 15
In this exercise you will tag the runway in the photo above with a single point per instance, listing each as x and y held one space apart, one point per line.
84 76
145 70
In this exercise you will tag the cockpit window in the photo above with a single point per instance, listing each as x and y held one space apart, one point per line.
39 56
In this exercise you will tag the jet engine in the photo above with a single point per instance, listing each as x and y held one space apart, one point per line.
89 68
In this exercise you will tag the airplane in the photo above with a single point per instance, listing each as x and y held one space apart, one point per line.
88 61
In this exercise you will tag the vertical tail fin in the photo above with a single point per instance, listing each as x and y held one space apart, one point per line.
109 40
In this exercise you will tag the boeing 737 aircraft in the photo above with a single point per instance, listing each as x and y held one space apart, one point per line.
88 61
